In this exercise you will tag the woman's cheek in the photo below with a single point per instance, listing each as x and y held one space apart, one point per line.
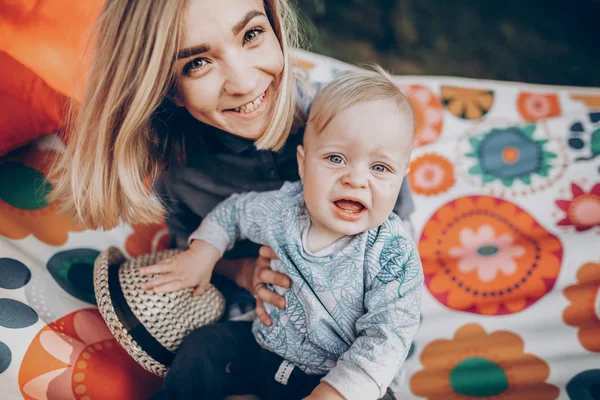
272 54
199 94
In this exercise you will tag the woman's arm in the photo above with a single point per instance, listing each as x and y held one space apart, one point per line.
252 274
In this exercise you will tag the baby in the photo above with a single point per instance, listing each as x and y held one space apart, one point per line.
354 303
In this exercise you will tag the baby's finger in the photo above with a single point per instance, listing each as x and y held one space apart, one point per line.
168 287
200 290
159 280
267 252
267 275
158 268
264 294
261 313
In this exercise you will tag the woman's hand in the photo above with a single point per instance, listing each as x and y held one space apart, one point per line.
255 274
191 268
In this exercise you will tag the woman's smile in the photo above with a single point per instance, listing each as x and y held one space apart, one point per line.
253 108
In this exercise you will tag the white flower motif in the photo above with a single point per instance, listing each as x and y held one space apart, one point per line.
538 105
429 176
486 253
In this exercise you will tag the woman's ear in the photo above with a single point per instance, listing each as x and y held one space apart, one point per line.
174 97
300 157
175 100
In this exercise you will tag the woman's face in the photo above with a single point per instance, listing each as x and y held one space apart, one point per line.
229 65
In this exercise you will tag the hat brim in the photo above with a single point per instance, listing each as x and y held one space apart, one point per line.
125 326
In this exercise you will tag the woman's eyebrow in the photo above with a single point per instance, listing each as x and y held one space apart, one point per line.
237 28
192 51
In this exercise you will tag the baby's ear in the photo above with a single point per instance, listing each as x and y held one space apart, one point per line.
300 157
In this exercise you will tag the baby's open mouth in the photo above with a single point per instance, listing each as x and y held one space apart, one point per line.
350 206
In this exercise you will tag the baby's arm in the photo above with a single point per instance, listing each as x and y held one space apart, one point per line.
239 217
235 218
385 332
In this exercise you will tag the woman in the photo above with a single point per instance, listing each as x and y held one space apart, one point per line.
190 100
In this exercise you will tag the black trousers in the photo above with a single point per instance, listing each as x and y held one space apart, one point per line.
224 359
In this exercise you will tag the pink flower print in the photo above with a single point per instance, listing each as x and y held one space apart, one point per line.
487 254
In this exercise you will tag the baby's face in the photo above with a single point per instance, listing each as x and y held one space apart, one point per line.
353 169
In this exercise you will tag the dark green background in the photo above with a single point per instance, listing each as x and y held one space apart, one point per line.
552 42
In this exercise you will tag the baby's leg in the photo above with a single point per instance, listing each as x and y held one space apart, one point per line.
283 380
207 363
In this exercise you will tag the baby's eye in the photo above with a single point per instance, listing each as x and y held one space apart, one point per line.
379 168
336 159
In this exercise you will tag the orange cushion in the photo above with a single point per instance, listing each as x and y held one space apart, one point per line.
48 36
29 108
41 45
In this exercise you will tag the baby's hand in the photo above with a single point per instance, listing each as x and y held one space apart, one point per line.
191 268
324 391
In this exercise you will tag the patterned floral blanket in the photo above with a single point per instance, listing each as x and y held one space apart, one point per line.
506 180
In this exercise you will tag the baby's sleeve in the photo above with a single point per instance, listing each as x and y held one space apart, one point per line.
239 217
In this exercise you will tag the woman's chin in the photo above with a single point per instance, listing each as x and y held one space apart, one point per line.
248 133
249 129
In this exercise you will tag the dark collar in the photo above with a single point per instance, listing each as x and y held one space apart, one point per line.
234 143
195 129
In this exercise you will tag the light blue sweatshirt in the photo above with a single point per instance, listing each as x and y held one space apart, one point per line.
353 308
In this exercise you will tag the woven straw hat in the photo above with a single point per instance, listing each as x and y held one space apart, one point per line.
150 327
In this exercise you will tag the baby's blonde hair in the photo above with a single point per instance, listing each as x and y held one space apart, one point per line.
356 87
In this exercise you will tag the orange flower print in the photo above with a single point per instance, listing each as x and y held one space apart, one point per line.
75 357
582 211
24 209
485 255
429 113
304 64
147 239
591 101
475 364
584 310
431 174
467 103
536 106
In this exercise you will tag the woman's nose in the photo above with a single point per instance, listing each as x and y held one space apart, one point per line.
241 77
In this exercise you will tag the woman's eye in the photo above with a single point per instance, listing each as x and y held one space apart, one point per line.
252 35
336 159
194 65
379 168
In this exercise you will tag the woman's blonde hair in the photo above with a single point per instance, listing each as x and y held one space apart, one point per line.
115 147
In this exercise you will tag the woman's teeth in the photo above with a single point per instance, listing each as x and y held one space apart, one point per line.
248 108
